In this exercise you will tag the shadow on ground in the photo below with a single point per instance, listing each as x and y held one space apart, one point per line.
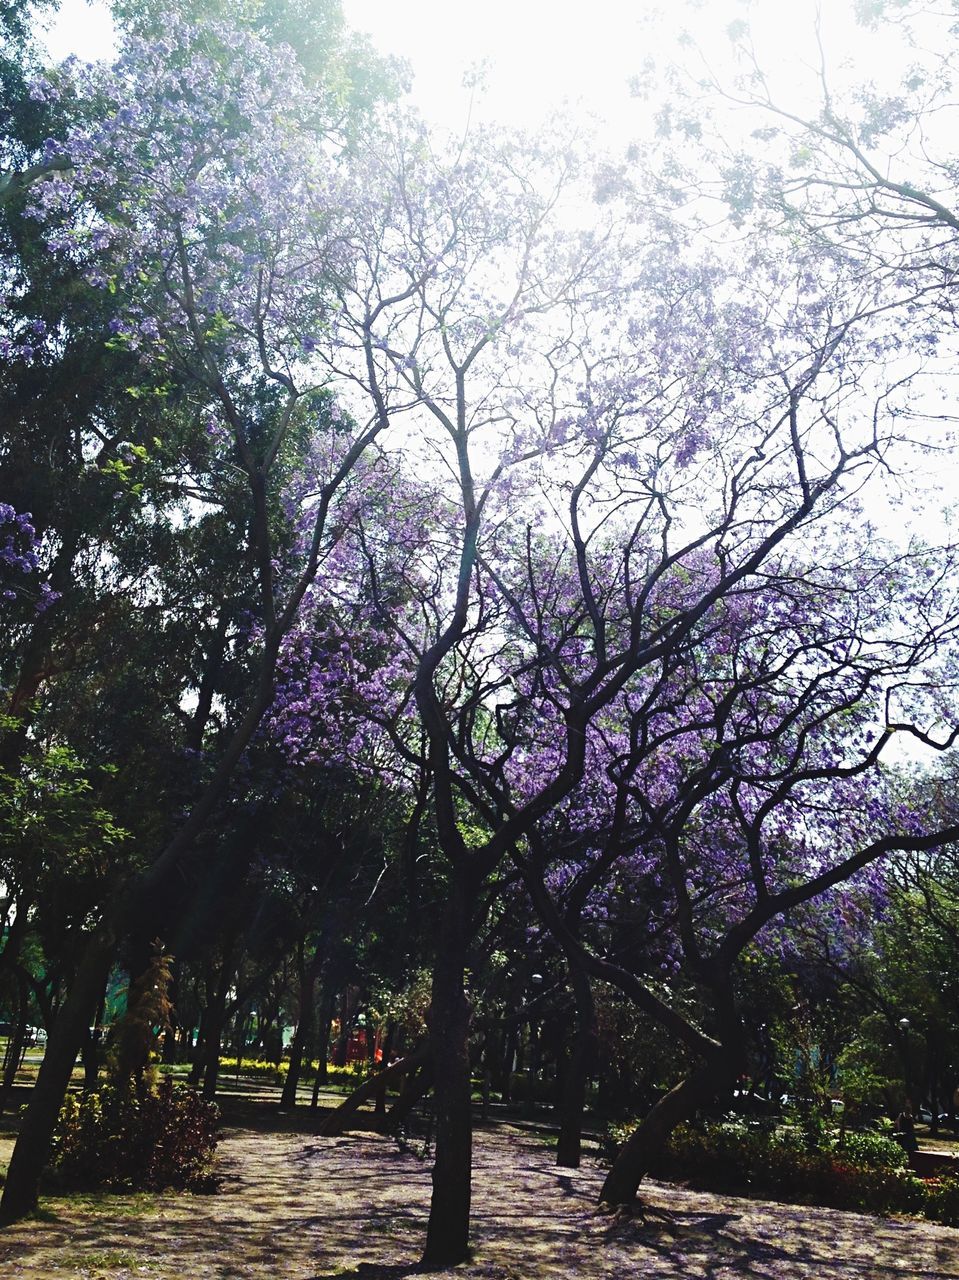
304 1207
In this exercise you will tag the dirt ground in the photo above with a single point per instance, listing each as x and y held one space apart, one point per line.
295 1206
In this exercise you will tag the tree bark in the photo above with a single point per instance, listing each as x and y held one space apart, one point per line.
578 1071
646 1142
66 1034
336 1120
447 1235
215 1021
15 1045
90 1051
304 1026
379 1107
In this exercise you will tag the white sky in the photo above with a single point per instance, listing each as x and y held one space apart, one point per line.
549 55
576 56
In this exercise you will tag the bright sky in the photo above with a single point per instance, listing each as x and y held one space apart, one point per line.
544 54
576 56
547 55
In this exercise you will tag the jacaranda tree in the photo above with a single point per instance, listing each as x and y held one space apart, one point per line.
608 609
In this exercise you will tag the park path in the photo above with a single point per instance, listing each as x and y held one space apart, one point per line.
300 1207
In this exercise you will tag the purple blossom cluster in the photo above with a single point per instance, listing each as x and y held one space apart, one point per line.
220 191
19 560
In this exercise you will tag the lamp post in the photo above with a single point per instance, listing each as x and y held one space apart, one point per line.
904 1026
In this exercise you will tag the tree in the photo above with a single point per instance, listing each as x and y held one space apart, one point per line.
735 801
198 230
620 567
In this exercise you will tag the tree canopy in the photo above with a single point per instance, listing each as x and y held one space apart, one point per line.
422 554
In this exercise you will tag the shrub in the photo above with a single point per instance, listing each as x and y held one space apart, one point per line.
942 1200
352 1075
872 1151
867 1174
255 1067
120 1138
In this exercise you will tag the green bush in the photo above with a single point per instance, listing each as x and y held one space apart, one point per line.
942 1200
872 1151
866 1174
145 1141
352 1075
255 1067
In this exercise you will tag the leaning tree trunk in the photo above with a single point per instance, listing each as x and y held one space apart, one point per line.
336 1121
647 1141
578 1071
66 1034
447 1236
415 1087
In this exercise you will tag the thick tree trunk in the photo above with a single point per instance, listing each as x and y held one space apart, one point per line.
447 1236
578 1071
343 1038
199 1052
532 1069
90 1051
647 1141
509 1059
379 1107
66 1035
327 1006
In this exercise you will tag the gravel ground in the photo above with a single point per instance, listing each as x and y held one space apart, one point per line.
295 1206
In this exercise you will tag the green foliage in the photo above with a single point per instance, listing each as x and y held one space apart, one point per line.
873 1151
118 1138
59 844
351 1075
50 809
867 1173
781 1162
942 1201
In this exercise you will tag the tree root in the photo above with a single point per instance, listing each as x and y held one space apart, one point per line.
638 1208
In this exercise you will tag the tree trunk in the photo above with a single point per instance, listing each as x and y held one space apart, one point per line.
646 1142
415 1086
336 1120
343 1038
199 1052
578 1071
66 1035
16 1045
304 1027
214 1022
327 1006
379 1107
532 1068
90 1051
211 1045
447 1236
509 1060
